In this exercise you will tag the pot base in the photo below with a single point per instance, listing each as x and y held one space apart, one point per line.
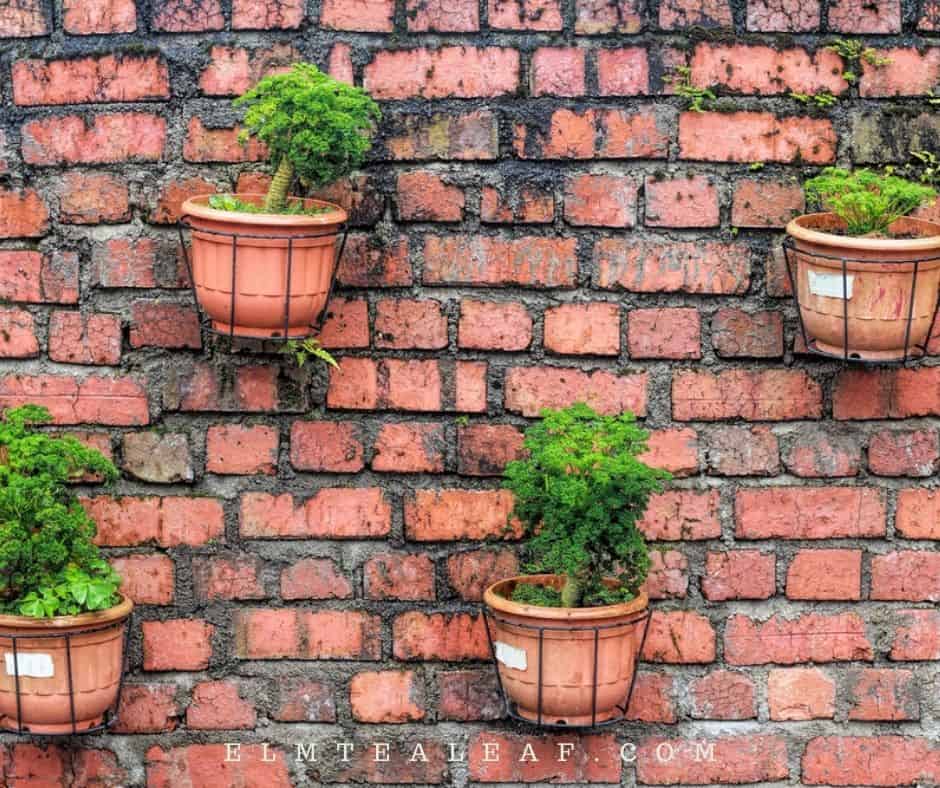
573 721
838 351
250 332
64 729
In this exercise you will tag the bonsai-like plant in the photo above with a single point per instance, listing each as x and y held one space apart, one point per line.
315 128
49 565
579 493
867 202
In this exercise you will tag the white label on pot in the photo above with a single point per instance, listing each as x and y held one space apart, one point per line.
37 666
510 656
830 285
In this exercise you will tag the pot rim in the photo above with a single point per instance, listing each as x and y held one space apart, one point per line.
801 228
198 207
494 599
96 618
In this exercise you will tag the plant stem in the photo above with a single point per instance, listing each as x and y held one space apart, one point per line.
276 198
570 592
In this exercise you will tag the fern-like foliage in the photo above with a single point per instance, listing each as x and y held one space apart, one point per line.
579 493
867 202
49 564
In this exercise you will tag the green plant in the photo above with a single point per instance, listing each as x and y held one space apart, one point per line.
293 207
854 53
303 349
682 85
579 493
49 565
315 128
823 100
756 166
867 202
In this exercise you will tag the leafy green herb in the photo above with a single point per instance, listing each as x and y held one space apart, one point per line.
230 202
304 349
867 202
854 53
682 85
49 564
579 493
822 100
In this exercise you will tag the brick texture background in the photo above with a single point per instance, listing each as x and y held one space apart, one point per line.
542 221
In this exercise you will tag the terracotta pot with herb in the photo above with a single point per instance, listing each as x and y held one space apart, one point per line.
867 274
579 492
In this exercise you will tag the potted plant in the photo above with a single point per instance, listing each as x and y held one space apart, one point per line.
62 620
262 264
867 274
566 636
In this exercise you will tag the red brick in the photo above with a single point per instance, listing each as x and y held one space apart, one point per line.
104 78
203 765
743 451
228 577
674 450
447 515
652 699
600 201
267 633
765 204
304 701
664 333
471 386
908 575
908 73
672 267
468 695
825 574
525 14
594 133
677 14
755 136
341 634
815 453
810 513
468 136
79 339
557 71
126 262
754 395
784 16
917 636
241 449
187 16
530 389
117 401
399 576
487 260
232 70
623 72
493 325
371 262
201 387
190 521
333 513
345 323
23 20
353 386
739 574
448 72
326 446
110 137
681 515
426 197
169 522
30 764
918 514
766 71
58 274
314 578
484 449
583 329
668 575
517 204
204 144
155 324
736 333
93 198
689 201
88 17
800 694
848 760
17 334
877 694
372 16
930 17
148 708
812 637
267 14
723 695
23 214
496 757
471 572
851 16
388 696
177 644
218 705
393 384
595 17
453 637
410 324
699 761
147 579
444 16
907 453
410 448
679 637
887 394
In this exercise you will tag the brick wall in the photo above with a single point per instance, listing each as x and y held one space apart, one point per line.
543 221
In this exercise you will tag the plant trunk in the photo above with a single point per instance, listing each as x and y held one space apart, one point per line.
276 198
570 592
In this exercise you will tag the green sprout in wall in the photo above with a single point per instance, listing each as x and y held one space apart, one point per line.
304 349
756 166
682 85
924 167
823 100
854 53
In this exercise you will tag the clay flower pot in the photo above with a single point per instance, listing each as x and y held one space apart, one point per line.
45 696
254 302
878 287
568 653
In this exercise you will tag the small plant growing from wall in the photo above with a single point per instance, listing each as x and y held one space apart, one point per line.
854 53
682 86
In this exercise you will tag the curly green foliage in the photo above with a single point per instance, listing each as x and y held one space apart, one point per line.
315 127
697 97
49 564
579 493
867 202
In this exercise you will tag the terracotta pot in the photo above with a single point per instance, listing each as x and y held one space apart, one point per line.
568 654
878 286
97 660
261 306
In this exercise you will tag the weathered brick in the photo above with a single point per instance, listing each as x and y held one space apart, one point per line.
723 695
410 448
455 637
917 636
595 133
825 574
557 71
219 705
23 214
800 694
427 197
333 513
443 16
784 16
812 637
148 708
754 395
399 576
166 325
345 323
326 446
75 338
887 394
653 699
765 204
732 759
511 203
205 764
205 144
877 694
241 449
228 577
389 696
484 449
161 457
525 14
394 384
448 72
674 450
24 19
668 575
583 329
108 138
232 70
810 513
304 701
681 515
118 401
904 453
767 71
739 574
737 333
918 514
106 78
187 16
908 575
600 201
410 324
743 451
469 136
146 579
446 515
851 16
17 334
468 695
471 572
689 201
818 453
314 578
177 644
370 16
679 637
93 198
526 758
673 333
623 72
369 262
847 760
677 14
487 260
530 389
595 17
88 17
267 14
493 325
